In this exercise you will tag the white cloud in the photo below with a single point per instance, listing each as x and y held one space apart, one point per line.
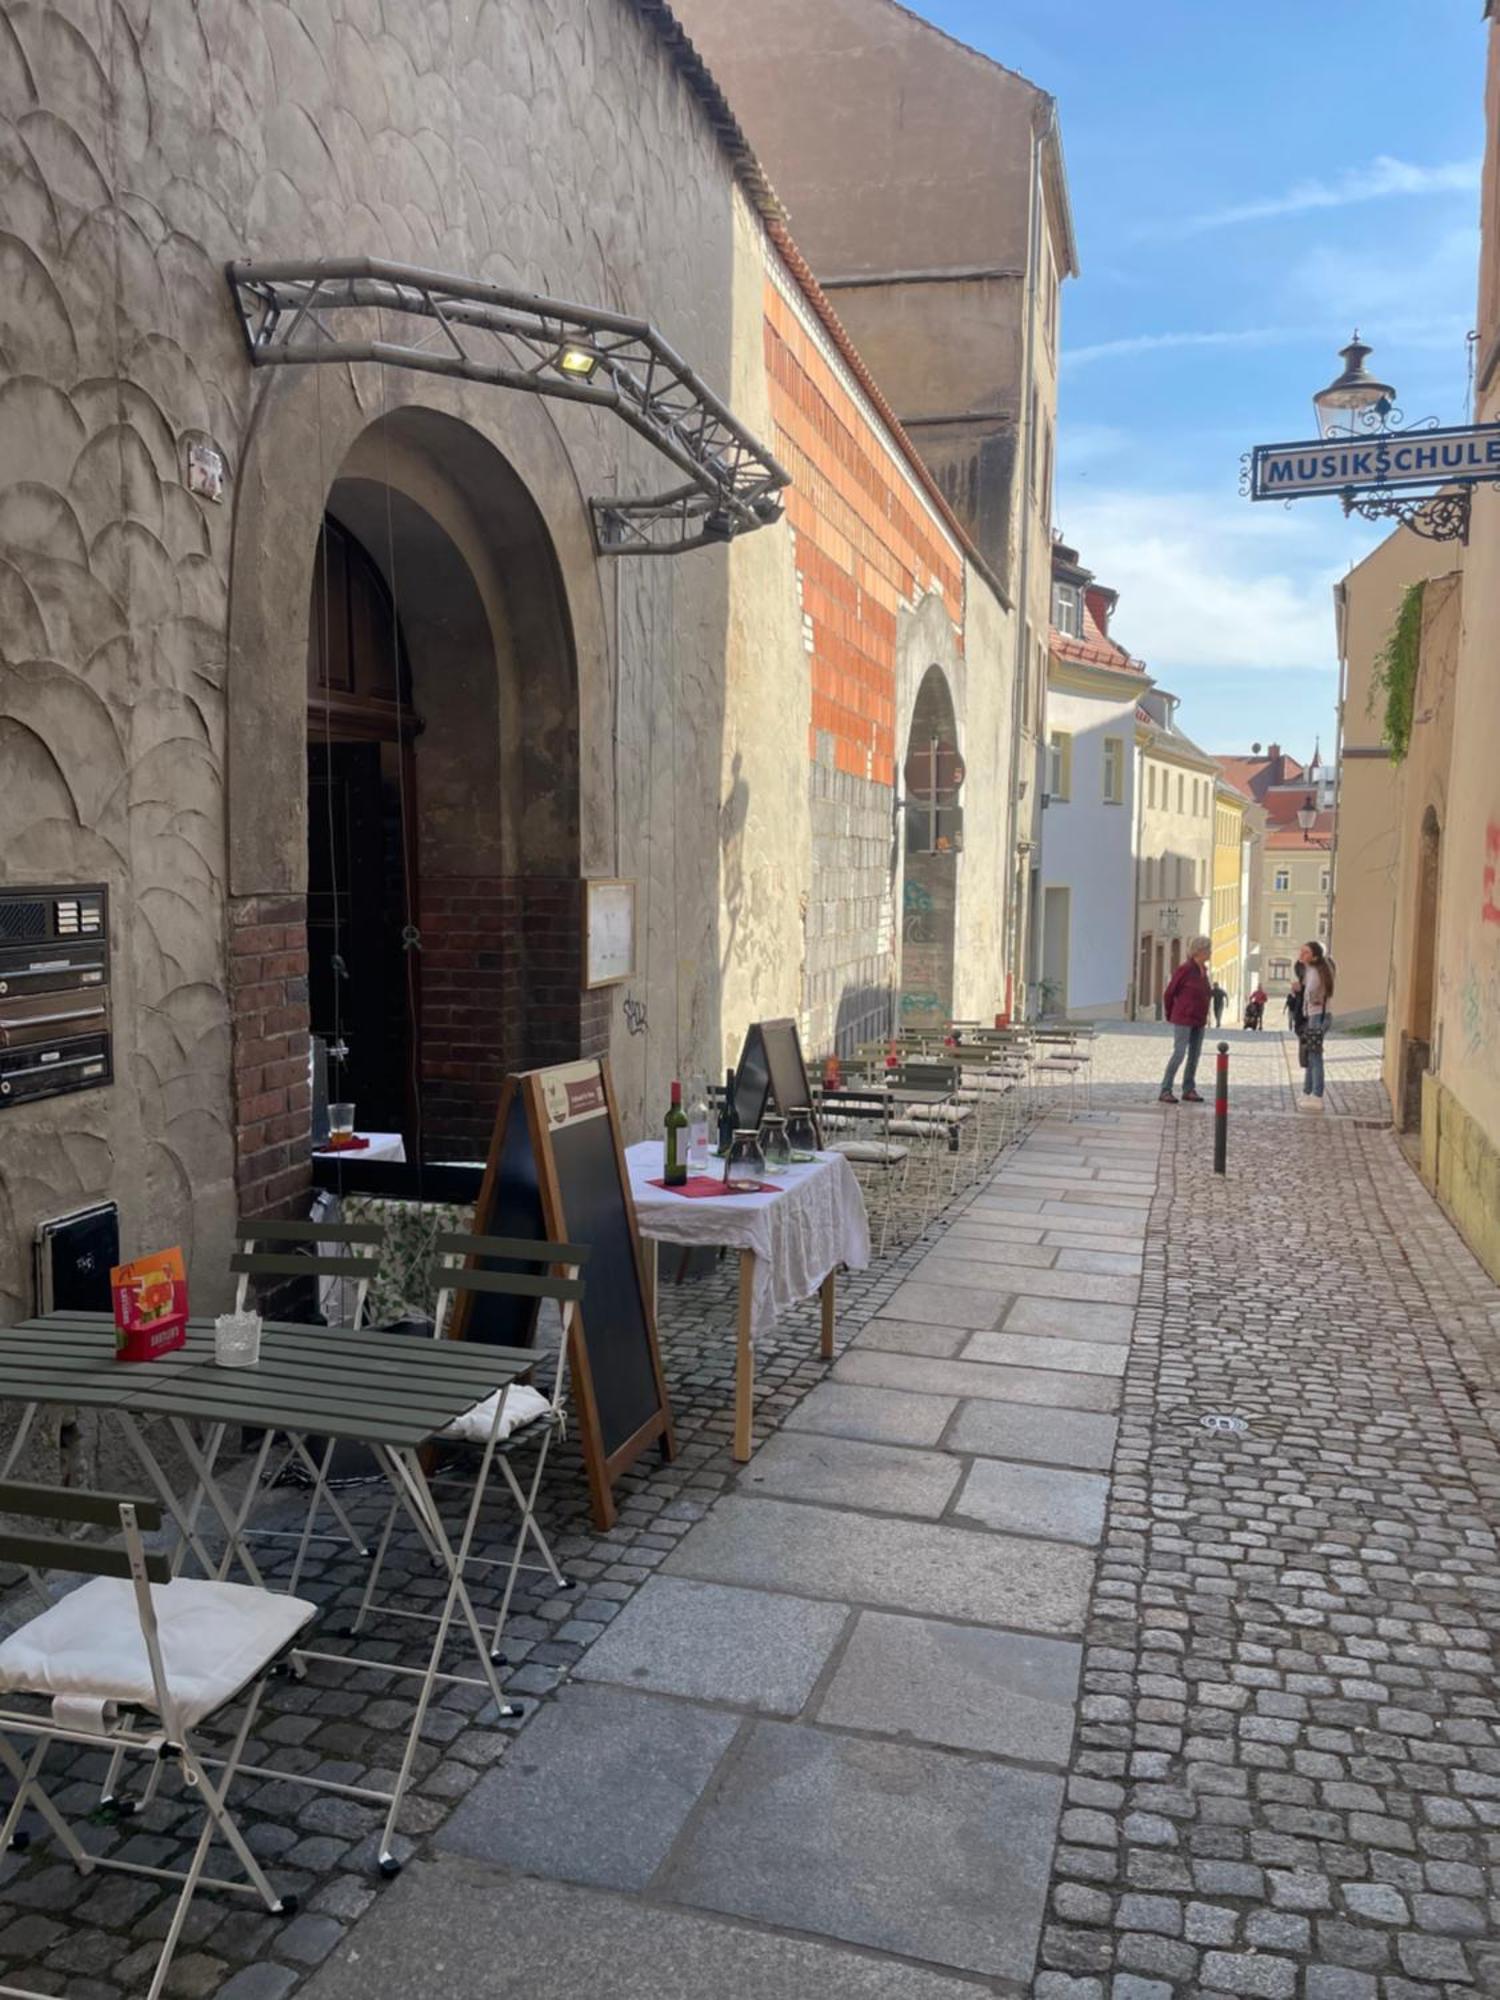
1212 583
1155 343
1384 178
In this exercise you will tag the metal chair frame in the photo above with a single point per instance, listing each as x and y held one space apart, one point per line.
465 1274
121 1729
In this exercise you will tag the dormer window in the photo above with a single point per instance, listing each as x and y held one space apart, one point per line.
1067 609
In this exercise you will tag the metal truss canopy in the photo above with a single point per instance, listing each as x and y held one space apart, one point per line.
336 309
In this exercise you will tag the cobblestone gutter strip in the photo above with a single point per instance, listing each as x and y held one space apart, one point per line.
1286 1778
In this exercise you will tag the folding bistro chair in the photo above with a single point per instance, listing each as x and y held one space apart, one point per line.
329 1253
135 1660
512 1418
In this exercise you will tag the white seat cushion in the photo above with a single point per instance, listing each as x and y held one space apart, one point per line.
522 1406
215 1638
869 1152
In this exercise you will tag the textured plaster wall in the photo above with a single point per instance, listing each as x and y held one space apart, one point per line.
1364 881
765 832
150 642
1088 843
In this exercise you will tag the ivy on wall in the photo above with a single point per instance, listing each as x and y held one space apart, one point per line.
1393 682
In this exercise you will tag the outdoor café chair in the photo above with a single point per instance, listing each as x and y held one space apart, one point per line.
329 1252
526 1416
840 1112
132 1662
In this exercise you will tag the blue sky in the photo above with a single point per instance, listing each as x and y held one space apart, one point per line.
1249 183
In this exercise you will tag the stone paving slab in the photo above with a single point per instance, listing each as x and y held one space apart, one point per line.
906 1849
1057 1387
897 1336
956 1253
595 1790
1002 1694
1034 1500
952 1303
849 1472
1078 1438
1082 1237
1048 1350
922 1300
886 1416
1122 1263
709 1642
1076 1320
976 1227
891 1564
469 1932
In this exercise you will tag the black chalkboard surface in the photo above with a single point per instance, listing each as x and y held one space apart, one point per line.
557 1172
772 1062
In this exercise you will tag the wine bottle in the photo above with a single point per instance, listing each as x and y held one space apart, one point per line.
674 1169
726 1116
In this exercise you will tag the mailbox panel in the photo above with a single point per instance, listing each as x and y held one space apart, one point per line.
54 991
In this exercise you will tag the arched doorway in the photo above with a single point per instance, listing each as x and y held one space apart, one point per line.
442 771
1416 1040
932 780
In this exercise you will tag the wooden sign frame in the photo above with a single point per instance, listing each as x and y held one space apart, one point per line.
597 890
785 1066
528 1092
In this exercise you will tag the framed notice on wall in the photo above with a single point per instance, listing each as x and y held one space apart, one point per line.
609 932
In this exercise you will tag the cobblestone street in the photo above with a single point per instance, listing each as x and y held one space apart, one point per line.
995 1669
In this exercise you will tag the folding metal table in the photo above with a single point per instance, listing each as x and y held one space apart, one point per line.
389 1392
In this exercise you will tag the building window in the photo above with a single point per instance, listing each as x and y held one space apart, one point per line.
1179 791
1322 923
1281 923
1151 784
1067 609
1281 882
1281 968
1114 770
1060 767
1323 881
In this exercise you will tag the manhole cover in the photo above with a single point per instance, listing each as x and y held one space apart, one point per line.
1221 1420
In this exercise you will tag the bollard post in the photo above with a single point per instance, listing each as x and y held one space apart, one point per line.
1221 1108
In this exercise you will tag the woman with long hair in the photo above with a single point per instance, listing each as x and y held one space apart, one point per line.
1317 997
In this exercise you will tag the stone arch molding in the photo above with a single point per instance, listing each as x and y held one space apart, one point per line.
925 639
492 480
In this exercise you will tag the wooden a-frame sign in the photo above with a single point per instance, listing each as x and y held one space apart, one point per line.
556 1173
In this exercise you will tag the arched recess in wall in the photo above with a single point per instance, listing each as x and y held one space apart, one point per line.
1416 1038
932 837
426 783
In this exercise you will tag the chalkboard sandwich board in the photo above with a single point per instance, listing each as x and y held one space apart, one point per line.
771 1066
557 1173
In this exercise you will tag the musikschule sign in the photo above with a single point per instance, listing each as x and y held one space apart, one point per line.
1460 455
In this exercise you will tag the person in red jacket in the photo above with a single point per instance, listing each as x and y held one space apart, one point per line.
1186 1002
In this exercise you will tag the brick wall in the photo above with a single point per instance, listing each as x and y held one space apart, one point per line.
501 989
269 1017
865 545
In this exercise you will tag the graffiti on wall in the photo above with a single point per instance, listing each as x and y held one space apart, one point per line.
1489 908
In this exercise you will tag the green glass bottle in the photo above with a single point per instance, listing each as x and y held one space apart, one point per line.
674 1169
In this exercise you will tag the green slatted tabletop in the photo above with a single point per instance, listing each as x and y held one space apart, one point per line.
375 1388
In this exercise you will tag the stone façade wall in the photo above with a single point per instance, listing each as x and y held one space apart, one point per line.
536 142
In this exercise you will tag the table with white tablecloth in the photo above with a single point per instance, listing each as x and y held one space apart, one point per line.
791 1244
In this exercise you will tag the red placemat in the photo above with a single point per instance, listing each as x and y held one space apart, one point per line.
344 1146
698 1186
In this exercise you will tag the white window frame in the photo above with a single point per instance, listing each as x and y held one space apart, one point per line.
1060 766
1067 609
1281 923
1112 783
1281 882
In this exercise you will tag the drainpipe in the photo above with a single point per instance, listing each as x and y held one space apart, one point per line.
1023 664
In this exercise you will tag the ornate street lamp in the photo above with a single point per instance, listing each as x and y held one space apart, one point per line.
1376 465
1353 402
1307 819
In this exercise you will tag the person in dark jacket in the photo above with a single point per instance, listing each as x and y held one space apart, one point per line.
1185 1003
1219 998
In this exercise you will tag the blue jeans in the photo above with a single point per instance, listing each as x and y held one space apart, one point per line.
1315 1027
1185 1042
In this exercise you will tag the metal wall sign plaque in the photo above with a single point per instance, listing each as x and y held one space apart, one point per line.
1462 454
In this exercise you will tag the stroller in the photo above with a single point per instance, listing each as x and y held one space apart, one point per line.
1255 1012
